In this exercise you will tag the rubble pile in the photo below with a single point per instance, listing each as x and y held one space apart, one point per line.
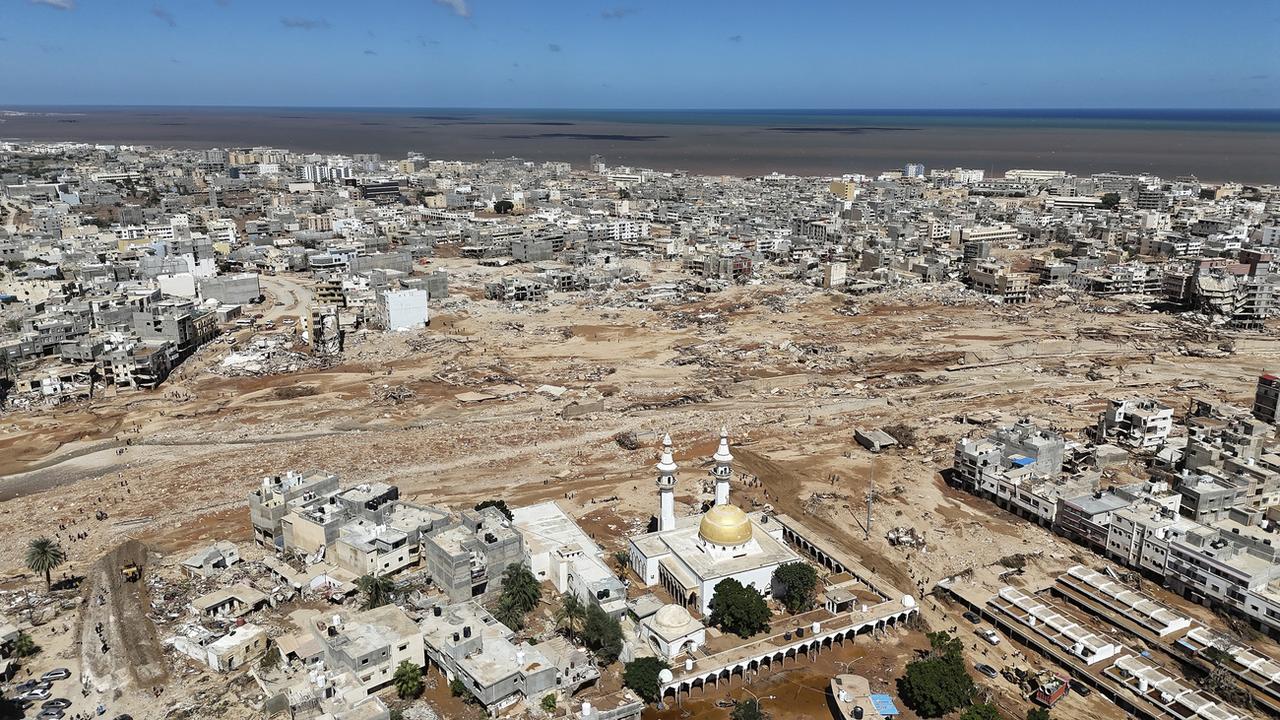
391 394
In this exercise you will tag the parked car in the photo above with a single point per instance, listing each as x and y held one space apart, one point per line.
972 617
56 674
986 669
26 685
989 635
51 714
1079 688
36 694
59 703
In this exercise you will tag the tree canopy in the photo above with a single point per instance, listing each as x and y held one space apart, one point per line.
981 711
520 594
738 609
1038 714
939 682
796 582
748 710
602 634
500 504
407 680
641 675
43 557
571 615
377 590
1110 200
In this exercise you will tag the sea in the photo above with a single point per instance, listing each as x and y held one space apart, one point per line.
1213 145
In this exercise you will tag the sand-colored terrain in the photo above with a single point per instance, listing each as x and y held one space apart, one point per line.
791 372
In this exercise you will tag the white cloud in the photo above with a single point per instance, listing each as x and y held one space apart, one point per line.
56 4
459 7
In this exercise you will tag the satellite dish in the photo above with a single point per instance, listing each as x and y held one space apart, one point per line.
665 676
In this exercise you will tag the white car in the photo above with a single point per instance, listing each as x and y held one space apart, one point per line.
989 635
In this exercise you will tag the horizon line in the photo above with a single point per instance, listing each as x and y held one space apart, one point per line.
651 109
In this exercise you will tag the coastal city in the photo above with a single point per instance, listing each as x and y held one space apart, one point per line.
304 435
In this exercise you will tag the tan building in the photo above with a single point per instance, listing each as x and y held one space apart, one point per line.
843 189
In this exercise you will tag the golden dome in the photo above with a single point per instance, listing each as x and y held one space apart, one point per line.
725 525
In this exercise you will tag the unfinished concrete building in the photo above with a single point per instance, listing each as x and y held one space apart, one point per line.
281 494
516 289
469 645
1267 398
466 559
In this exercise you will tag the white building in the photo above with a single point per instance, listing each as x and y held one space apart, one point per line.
403 309
555 548
690 555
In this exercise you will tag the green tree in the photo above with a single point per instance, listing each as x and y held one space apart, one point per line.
571 615
397 714
738 609
641 675
520 589
43 556
548 703
23 646
408 680
500 504
797 583
981 711
508 614
748 710
602 634
459 689
622 559
1038 714
502 207
1110 200
377 590
939 682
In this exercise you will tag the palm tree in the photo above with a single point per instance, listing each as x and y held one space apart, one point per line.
408 680
623 559
43 555
521 588
571 614
377 590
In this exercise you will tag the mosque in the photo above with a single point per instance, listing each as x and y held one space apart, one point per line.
689 555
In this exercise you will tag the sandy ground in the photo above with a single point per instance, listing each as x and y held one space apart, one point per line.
791 373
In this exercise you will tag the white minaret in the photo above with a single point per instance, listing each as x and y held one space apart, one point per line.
723 470
666 487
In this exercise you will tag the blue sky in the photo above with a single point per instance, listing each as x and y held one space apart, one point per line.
642 54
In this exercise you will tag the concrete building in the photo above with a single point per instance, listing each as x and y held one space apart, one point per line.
466 559
1267 397
465 642
281 494
241 289
370 644
1137 423
556 549
402 309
